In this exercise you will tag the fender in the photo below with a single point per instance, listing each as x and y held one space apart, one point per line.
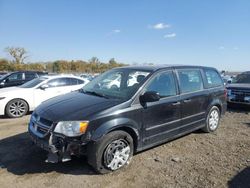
115 124
216 102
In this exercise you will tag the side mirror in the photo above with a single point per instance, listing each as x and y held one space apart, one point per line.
150 96
44 86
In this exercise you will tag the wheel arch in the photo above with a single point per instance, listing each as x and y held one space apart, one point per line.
131 132
216 103
124 124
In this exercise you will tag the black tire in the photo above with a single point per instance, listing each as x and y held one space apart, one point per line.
22 108
208 128
97 151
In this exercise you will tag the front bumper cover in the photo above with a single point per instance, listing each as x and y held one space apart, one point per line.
60 148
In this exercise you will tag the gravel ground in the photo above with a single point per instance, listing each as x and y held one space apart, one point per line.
220 159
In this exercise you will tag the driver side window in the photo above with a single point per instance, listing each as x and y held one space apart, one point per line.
15 77
164 84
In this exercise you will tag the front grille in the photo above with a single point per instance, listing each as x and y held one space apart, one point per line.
40 125
240 94
244 93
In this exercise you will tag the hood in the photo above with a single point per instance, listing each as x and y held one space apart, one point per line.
238 86
74 106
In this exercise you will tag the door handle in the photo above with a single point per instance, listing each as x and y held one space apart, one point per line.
187 100
176 103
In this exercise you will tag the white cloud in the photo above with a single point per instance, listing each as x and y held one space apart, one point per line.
170 35
159 26
236 48
113 32
221 47
116 31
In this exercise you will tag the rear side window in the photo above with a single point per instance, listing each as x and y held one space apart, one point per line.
59 82
213 78
190 80
30 76
164 84
75 81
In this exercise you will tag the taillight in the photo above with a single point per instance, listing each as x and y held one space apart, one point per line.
225 93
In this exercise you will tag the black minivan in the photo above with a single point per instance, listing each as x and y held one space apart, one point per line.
19 77
126 110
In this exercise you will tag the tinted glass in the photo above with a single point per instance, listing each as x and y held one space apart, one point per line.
59 82
75 81
164 84
30 76
80 81
5 76
242 78
190 80
213 78
16 77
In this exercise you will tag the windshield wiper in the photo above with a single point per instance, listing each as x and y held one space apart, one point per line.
94 93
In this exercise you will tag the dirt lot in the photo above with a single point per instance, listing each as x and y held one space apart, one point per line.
221 159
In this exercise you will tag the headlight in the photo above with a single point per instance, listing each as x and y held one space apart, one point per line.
71 128
2 98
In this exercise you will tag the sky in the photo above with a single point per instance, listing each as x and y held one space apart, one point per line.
195 32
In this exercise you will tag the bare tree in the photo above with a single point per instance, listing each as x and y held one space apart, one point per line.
18 53
94 60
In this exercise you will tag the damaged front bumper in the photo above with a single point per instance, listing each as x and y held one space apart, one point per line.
59 147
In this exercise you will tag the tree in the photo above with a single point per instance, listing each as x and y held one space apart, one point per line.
18 53
94 64
4 65
94 60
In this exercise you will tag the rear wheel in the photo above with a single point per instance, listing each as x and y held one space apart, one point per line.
212 120
111 153
16 108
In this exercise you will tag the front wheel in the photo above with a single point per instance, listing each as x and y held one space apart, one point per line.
16 108
111 153
212 120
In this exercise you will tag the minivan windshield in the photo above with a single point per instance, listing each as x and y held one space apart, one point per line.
5 76
117 83
33 83
242 79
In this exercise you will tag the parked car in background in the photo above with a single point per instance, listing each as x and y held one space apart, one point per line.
17 101
87 76
109 124
239 90
19 78
227 79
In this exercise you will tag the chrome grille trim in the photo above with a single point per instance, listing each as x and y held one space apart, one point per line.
40 126
238 92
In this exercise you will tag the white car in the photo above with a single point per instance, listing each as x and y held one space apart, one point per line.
17 101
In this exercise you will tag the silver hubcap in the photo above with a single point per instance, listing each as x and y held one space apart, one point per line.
17 108
213 119
117 154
